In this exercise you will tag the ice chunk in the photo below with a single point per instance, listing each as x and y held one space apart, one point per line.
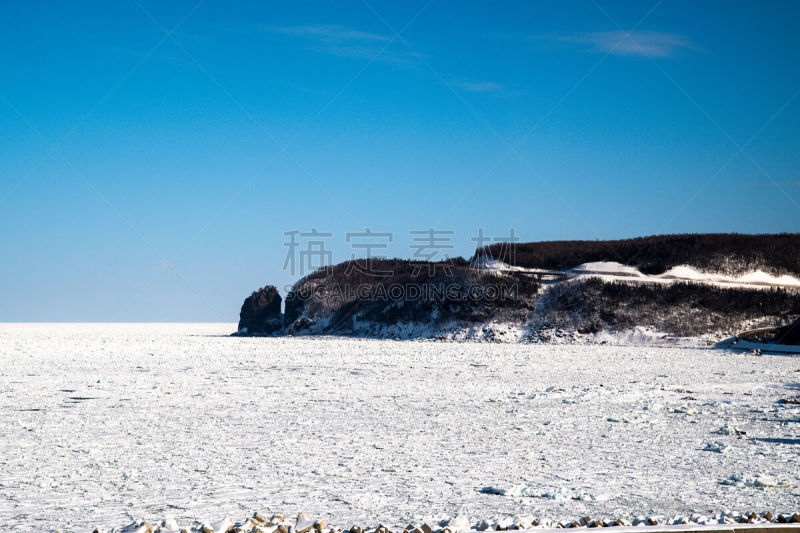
716 446
757 480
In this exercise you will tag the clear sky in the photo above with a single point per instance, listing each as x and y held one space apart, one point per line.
152 154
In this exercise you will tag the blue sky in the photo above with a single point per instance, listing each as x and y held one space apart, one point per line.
152 154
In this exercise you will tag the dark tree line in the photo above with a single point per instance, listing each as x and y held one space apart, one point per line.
677 308
732 253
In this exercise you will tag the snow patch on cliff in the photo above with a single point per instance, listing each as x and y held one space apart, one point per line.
607 267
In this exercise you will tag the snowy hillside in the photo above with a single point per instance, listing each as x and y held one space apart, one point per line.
592 302
535 296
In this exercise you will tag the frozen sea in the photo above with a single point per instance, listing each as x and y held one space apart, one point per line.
101 424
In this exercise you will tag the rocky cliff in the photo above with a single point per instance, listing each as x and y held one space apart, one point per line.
261 313
453 300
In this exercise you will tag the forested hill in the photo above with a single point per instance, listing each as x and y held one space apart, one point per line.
726 253
482 300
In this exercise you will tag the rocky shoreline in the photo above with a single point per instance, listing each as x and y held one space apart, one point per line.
577 311
259 523
680 285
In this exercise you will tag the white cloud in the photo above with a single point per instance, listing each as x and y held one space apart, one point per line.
345 41
329 32
636 43
478 86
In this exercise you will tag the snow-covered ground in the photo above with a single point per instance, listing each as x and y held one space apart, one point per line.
607 267
687 273
614 271
103 424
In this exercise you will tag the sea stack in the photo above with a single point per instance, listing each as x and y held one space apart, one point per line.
261 313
